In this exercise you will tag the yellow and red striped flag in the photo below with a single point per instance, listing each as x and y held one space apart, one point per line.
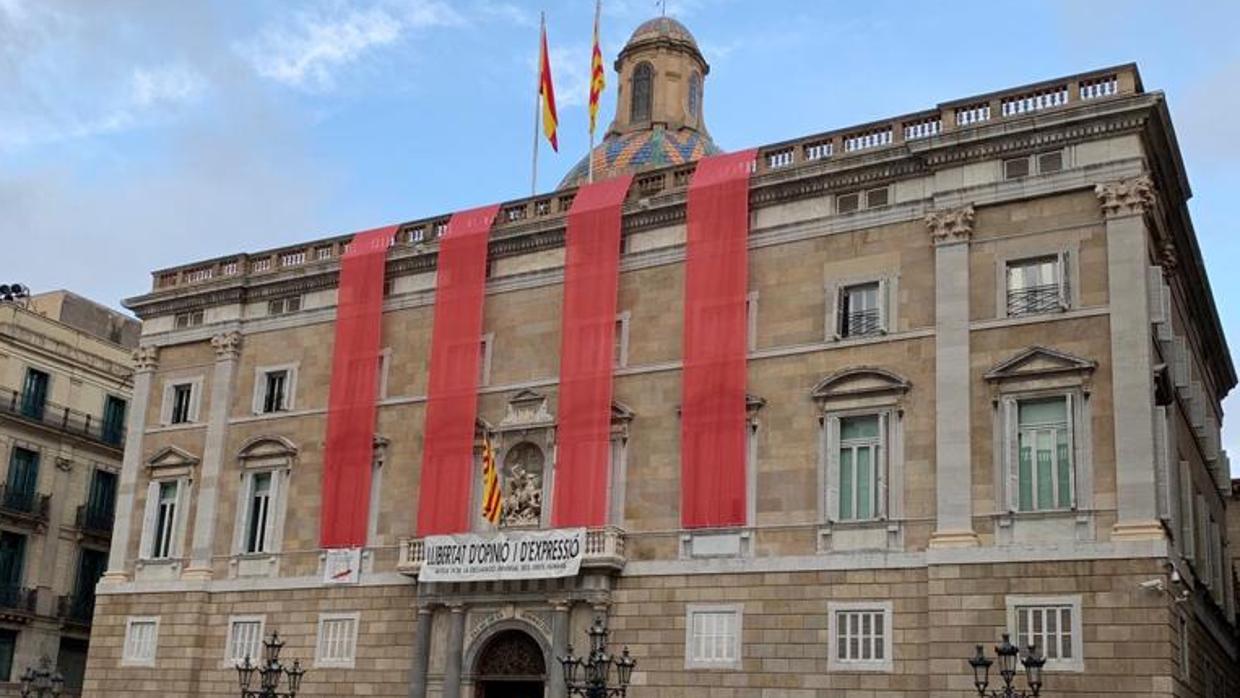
490 484
547 92
597 74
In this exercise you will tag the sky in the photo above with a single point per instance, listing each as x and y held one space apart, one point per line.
140 134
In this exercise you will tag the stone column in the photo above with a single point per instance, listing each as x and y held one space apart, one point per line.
1124 205
456 648
560 624
227 349
145 360
950 231
421 651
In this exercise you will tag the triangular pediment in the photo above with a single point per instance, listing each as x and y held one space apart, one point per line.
526 408
860 381
172 457
1039 361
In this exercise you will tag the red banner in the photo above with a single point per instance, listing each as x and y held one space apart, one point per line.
591 276
351 402
452 397
712 421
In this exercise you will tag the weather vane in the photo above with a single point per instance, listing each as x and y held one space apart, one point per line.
662 7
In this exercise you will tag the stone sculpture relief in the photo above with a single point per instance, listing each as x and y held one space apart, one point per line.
523 486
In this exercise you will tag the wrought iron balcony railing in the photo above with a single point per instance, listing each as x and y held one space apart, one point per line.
863 323
24 503
1032 300
76 609
17 598
70 421
95 520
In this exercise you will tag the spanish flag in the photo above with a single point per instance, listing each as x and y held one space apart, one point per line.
547 93
491 503
597 80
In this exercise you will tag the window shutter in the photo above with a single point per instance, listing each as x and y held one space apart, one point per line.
1188 521
883 306
1070 399
1164 330
273 506
195 399
1153 288
1180 356
1161 463
165 407
1065 286
880 464
241 530
148 520
181 521
1011 464
833 468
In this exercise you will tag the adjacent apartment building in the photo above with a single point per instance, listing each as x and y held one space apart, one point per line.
65 384
984 370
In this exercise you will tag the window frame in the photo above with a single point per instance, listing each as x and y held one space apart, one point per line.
1066 280
834 662
230 650
324 618
1008 418
835 292
643 71
169 396
486 351
1015 603
150 520
281 306
693 662
128 659
621 341
260 388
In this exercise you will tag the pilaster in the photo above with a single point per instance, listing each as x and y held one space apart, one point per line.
950 231
422 651
146 361
227 349
560 620
455 649
1124 205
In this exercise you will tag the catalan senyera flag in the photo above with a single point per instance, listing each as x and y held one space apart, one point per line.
546 91
597 73
490 484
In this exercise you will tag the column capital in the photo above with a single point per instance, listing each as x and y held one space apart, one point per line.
950 225
1123 197
146 359
227 345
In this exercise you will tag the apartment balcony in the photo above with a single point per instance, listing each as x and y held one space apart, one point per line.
95 522
17 601
604 549
24 507
78 610
64 420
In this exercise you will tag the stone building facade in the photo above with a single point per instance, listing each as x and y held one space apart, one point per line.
985 372
65 380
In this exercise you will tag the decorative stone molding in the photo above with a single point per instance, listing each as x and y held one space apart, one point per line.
146 359
227 345
1126 196
951 225
1169 260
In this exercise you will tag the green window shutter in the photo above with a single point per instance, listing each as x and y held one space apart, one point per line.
846 484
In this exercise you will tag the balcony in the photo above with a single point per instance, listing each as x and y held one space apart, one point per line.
76 609
863 323
24 506
23 406
1034 300
604 549
95 521
19 600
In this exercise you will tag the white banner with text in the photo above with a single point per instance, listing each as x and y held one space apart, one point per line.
481 557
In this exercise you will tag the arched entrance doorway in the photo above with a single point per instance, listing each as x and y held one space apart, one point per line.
510 665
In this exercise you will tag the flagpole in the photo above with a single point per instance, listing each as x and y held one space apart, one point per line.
598 7
542 29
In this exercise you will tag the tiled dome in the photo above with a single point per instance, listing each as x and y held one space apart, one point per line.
641 150
662 27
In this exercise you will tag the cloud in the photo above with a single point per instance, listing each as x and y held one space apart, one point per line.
307 51
169 84
505 12
570 68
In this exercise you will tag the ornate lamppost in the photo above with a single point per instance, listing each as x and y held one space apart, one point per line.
269 671
604 675
44 682
1007 657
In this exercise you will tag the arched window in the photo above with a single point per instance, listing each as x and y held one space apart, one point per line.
695 94
643 79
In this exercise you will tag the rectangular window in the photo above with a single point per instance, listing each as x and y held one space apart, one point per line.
1016 168
8 644
1045 469
259 511
860 310
620 341
1050 162
23 479
165 519
859 463
189 319
12 569
275 391
280 306
847 203
1185 656
337 640
713 637
34 393
101 501
877 197
1052 625
1036 286
182 403
112 429
484 360
141 640
861 635
245 639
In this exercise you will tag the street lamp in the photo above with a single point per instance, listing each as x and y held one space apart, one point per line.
1007 658
44 682
605 676
270 671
